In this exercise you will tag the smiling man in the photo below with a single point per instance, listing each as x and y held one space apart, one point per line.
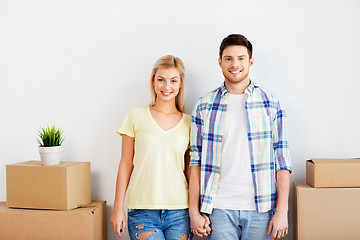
240 163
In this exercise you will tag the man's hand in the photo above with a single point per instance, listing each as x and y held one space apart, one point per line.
278 225
199 224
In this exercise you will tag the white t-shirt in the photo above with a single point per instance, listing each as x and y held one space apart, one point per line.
236 187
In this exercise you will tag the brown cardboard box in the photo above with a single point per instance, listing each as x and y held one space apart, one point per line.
326 213
333 172
86 223
62 187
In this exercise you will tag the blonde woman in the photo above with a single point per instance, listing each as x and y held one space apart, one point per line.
155 139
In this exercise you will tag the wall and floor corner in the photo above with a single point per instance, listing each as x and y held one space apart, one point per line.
83 64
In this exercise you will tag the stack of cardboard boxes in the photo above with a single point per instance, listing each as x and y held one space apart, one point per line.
328 205
51 202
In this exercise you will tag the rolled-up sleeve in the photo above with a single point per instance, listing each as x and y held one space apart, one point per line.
196 136
280 140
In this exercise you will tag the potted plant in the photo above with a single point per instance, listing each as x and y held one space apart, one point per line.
50 145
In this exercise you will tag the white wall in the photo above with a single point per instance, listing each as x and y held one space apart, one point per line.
82 64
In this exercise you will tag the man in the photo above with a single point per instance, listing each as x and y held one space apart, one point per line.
240 163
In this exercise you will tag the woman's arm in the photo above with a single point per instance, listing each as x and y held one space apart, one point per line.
126 166
187 165
199 223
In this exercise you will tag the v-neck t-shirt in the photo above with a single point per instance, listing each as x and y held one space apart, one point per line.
158 180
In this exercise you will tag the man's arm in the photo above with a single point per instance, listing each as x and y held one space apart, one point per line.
279 223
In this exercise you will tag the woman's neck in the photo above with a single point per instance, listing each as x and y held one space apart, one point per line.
165 107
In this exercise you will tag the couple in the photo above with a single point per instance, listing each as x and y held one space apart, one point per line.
238 168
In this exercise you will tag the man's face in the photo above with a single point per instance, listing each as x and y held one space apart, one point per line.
235 64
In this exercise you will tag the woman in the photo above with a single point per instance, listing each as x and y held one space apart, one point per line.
154 141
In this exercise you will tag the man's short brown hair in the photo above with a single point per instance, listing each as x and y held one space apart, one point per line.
235 39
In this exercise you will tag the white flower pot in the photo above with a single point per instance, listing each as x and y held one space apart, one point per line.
50 156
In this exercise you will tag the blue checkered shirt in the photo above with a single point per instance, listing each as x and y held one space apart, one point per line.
268 143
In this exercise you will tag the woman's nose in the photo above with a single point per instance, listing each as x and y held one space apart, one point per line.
167 85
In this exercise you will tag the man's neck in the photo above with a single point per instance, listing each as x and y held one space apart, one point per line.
237 88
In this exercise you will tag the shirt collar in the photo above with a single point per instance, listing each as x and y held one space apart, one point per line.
223 90
249 90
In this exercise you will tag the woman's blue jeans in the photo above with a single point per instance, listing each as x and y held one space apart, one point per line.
159 224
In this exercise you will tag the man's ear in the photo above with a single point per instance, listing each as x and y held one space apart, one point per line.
219 62
251 62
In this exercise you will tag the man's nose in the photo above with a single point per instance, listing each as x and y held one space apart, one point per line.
235 63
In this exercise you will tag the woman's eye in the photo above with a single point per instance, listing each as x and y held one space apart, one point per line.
174 81
160 79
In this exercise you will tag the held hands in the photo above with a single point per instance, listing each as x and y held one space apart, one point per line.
199 224
118 220
278 225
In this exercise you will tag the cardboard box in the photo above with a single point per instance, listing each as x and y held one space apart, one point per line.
326 213
86 223
62 187
333 172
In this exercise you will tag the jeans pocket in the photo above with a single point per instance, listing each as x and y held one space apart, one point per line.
272 213
132 211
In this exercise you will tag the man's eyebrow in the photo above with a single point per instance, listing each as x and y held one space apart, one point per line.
243 55
235 56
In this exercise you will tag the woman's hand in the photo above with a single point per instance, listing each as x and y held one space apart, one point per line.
199 224
118 220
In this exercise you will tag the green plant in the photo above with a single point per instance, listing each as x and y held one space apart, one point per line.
50 137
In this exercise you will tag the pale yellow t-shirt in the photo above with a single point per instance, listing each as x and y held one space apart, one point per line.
158 180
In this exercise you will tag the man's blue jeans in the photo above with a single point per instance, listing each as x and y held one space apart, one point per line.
239 224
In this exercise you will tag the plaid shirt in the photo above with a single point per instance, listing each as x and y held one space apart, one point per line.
268 144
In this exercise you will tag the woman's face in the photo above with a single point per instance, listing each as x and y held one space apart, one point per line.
166 84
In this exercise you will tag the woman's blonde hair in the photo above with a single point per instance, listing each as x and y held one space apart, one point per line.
170 61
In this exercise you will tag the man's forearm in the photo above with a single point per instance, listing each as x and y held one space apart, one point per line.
283 190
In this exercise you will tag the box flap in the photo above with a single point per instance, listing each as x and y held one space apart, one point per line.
93 206
333 160
38 164
301 185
